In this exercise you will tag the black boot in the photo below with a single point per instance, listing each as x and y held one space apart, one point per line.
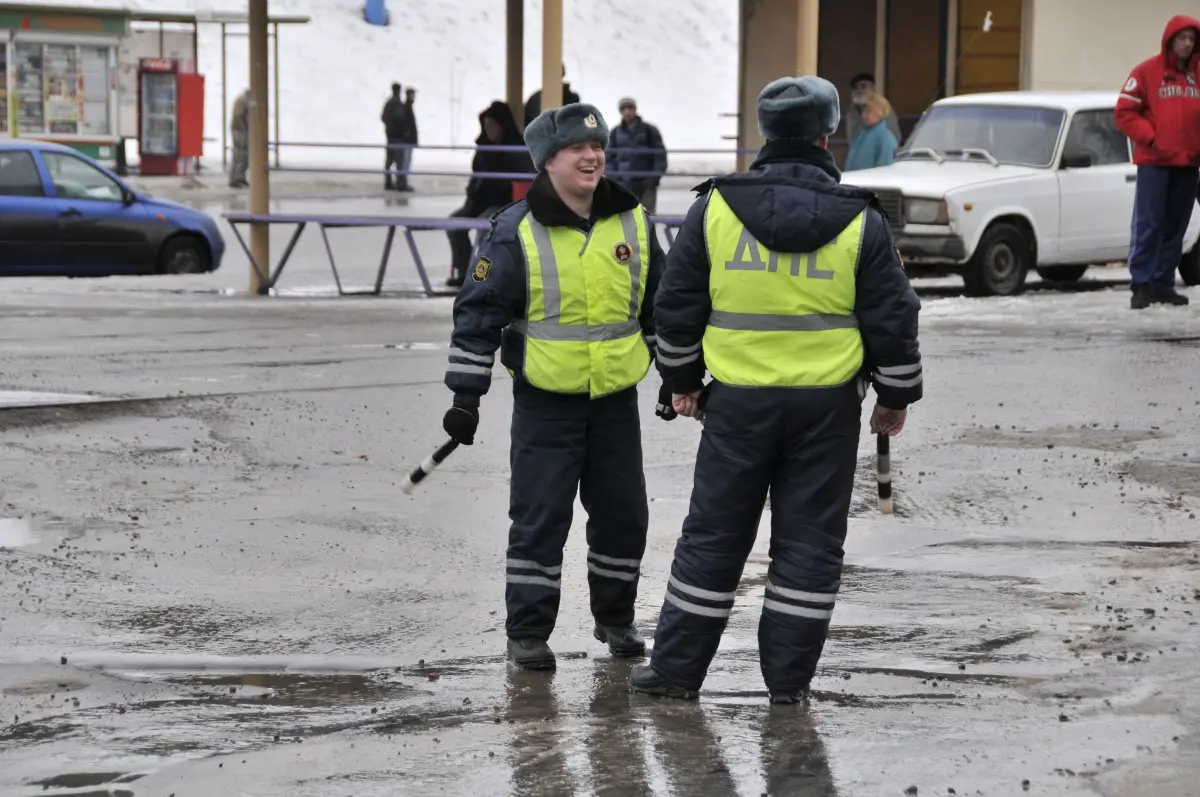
1169 296
645 681
789 698
455 281
531 654
1140 299
623 641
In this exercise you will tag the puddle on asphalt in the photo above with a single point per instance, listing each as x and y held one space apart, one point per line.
81 780
23 532
301 690
17 533
1090 437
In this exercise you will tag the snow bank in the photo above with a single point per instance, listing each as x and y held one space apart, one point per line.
679 59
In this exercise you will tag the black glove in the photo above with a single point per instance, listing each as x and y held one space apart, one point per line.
460 423
664 408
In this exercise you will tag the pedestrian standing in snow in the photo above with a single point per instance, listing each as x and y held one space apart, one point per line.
637 134
873 145
394 118
788 289
486 195
409 135
239 131
1159 109
565 290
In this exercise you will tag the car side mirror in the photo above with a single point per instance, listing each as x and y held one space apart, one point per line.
1076 160
128 197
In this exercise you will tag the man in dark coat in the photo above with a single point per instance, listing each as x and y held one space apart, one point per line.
408 135
533 105
394 118
634 133
787 288
486 195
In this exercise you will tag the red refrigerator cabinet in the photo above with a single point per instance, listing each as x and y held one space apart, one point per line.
170 116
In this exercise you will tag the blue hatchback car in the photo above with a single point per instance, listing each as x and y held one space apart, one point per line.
64 215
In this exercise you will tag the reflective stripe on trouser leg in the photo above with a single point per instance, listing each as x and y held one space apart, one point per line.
811 500
612 491
547 459
733 466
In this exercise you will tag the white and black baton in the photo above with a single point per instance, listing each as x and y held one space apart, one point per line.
883 472
428 465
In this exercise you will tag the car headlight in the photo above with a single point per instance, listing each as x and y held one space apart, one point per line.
926 211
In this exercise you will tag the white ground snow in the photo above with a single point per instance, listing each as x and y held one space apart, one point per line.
677 57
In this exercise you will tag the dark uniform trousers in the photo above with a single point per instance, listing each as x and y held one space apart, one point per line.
802 446
563 444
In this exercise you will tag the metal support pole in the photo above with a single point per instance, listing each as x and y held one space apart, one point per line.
275 107
515 64
808 17
260 188
552 50
224 103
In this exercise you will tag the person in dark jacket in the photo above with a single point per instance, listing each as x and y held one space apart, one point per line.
788 289
564 288
533 105
1159 109
485 195
395 119
634 133
408 134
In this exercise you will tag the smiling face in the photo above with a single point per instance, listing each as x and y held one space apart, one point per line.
577 169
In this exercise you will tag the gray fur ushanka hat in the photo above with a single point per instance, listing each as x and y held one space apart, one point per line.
805 107
557 128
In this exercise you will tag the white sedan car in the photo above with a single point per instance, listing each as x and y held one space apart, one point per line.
992 185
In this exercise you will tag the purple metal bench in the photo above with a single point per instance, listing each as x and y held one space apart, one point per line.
410 224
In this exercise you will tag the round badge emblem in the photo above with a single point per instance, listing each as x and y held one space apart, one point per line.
622 252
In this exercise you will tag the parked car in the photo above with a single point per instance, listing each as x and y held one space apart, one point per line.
64 215
993 185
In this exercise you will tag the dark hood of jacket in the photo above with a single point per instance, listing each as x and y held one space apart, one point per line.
494 192
501 113
1174 26
790 200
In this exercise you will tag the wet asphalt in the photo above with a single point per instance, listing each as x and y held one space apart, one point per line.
211 584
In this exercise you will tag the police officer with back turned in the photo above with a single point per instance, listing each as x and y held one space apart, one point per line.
565 290
788 289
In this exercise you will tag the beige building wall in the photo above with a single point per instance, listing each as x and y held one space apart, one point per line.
1093 44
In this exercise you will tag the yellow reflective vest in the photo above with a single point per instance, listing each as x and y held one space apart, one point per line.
584 293
780 319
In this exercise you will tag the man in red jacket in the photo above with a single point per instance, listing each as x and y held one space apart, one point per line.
1159 108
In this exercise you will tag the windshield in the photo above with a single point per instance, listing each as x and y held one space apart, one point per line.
1011 134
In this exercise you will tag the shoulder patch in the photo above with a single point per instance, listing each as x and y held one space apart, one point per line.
482 269
1130 84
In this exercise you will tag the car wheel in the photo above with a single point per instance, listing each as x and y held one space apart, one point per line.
1061 273
1189 266
183 255
1000 262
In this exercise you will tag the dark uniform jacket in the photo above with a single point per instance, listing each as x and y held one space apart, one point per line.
639 135
791 201
484 307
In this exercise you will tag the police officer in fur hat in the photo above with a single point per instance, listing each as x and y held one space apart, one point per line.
786 287
565 290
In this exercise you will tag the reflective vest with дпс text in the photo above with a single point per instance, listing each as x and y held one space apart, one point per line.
583 297
780 319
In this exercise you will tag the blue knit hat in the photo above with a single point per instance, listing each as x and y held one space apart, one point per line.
561 127
804 107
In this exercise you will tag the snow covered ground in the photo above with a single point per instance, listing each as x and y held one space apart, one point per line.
679 59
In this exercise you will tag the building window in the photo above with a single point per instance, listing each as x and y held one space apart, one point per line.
62 89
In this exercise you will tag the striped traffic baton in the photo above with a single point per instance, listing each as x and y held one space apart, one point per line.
428 465
883 472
